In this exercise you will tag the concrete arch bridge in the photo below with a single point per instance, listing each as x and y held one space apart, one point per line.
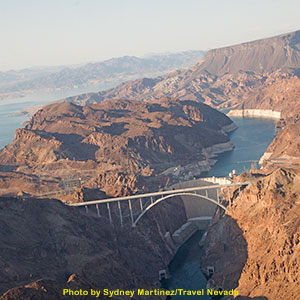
201 198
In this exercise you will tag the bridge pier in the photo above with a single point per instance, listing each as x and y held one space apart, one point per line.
141 204
98 212
120 213
131 213
109 212
229 198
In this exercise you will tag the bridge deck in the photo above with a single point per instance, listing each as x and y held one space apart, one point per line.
159 193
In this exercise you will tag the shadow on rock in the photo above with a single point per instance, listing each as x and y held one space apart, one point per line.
224 254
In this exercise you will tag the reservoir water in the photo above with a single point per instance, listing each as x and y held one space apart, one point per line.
8 107
251 140
9 124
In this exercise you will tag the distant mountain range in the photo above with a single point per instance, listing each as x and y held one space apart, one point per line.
97 76
223 78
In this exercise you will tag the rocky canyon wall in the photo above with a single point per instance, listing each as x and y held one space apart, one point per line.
47 246
256 248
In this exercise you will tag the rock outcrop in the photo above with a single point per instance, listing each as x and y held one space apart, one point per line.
260 56
225 77
118 146
279 94
285 148
255 249
47 246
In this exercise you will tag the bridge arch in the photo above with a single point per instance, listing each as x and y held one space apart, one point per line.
174 195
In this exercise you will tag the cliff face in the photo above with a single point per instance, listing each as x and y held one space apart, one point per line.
256 248
121 144
281 95
278 94
47 246
261 56
285 148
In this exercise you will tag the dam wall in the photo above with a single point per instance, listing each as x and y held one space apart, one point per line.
199 212
217 180
182 234
196 207
255 113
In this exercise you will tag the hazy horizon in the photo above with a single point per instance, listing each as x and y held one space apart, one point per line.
72 32
75 65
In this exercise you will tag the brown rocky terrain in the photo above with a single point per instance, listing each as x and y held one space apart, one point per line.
284 151
279 94
222 78
117 146
256 248
282 94
260 56
47 246
218 91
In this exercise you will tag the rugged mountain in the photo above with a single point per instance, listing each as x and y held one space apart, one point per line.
260 56
121 144
94 76
284 150
222 78
13 76
255 249
281 94
47 246
181 84
278 93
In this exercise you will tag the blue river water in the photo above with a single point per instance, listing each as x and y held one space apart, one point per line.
8 107
251 140
185 270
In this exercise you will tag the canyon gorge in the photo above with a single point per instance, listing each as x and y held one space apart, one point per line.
130 139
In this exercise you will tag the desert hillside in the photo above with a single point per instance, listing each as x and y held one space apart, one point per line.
222 78
119 146
47 246
255 248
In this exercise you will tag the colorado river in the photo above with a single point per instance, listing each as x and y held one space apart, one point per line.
251 140
185 269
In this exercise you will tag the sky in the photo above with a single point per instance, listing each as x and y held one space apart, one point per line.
61 32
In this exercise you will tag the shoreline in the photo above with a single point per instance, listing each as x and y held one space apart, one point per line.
255 113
